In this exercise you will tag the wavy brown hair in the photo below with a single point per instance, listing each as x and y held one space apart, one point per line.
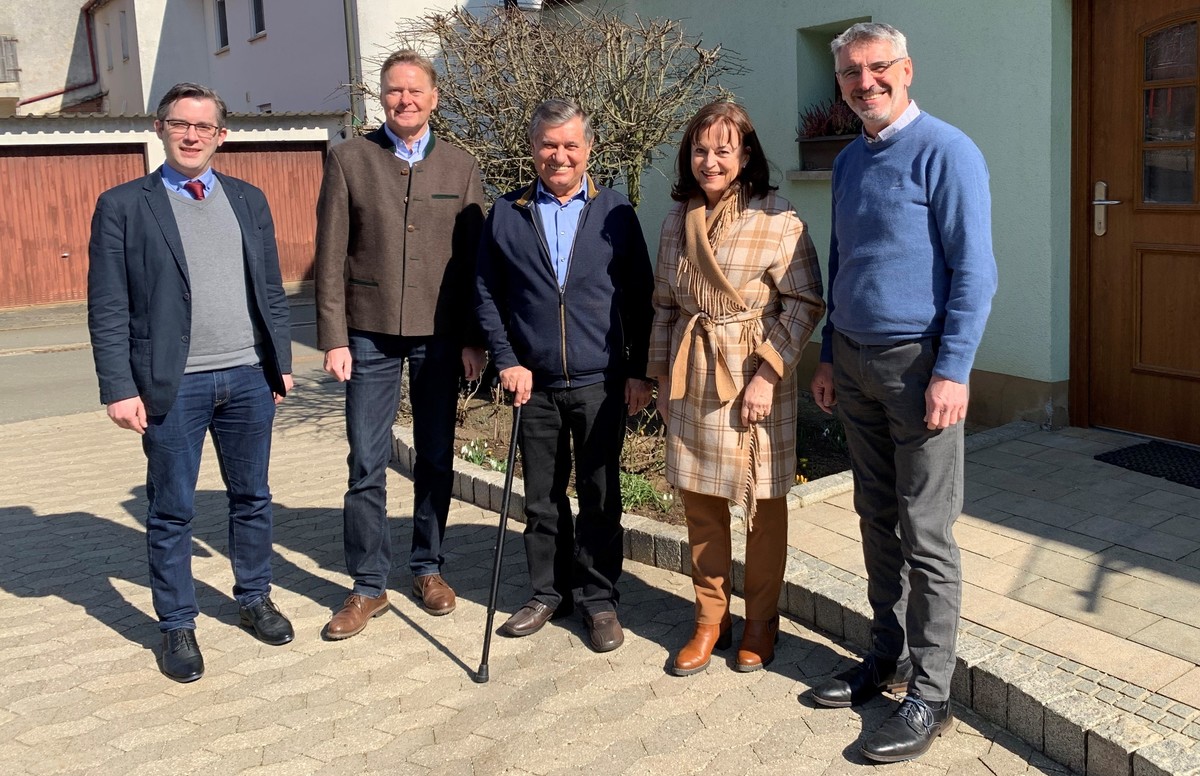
755 178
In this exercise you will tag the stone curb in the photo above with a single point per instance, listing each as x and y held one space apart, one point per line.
1055 705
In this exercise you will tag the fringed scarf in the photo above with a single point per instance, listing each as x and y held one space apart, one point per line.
718 300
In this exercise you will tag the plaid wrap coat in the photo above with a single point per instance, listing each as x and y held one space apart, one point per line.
767 257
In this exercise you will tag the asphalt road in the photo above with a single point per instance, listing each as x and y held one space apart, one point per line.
46 366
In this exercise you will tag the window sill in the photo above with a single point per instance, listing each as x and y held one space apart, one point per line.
223 50
257 36
809 175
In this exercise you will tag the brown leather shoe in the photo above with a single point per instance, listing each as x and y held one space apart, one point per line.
604 631
434 594
354 615
697 653
527 620
757 649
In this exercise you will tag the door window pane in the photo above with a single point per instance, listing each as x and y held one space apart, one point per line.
1171 53
1168 176
1171 114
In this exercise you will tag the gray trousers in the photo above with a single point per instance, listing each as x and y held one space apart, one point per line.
908 491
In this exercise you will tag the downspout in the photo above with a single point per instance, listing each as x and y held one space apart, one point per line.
86 10
358 107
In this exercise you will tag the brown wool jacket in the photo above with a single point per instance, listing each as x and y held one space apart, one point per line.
396 244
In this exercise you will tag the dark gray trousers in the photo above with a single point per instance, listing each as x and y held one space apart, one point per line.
908 491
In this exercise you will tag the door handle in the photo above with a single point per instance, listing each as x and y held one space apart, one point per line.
1100 203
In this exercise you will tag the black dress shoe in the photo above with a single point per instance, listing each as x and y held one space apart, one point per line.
528 619
268 623
604 631
909 732
863 682
181 658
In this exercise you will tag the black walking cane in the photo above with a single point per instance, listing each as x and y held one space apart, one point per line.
481 676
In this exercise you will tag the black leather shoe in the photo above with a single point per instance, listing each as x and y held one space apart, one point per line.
863 682
604 631
527 620
268 623
181 658
909 732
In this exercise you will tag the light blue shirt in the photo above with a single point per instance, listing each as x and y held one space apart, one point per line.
418 148
902 121
559 223
174 180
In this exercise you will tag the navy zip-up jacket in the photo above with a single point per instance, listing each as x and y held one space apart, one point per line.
597 327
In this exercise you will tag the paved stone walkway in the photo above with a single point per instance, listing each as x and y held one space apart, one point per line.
80 693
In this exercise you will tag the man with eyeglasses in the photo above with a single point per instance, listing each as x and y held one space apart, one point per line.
190 333
911 279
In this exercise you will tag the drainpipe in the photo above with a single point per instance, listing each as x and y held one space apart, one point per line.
86 10
358 107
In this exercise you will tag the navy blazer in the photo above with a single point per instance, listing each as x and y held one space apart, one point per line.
139 293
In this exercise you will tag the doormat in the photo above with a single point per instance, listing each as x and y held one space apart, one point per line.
1158 459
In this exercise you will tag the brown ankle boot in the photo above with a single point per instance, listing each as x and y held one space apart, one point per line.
758 644
696 654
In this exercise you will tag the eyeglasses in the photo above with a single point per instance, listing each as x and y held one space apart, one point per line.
877 69
181 127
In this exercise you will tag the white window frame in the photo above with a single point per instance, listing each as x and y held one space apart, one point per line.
258 18
124 19
221 24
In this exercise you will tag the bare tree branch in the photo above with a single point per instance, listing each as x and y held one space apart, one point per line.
640 79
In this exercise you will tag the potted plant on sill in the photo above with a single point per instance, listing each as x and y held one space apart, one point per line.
826 127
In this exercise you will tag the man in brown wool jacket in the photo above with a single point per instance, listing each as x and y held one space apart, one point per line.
398 223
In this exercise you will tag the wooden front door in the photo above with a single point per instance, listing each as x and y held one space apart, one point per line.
1141 264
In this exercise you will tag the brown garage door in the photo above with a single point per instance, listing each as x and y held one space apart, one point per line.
290 175
47 196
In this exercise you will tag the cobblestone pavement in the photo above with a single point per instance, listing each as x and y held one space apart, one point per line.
80 692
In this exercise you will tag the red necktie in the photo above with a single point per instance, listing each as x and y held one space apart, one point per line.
195 188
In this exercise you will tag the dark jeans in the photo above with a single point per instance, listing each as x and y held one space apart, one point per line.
908 491
579 557
372 397
237 407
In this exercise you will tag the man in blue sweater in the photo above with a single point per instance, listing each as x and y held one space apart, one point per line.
911 279
563 295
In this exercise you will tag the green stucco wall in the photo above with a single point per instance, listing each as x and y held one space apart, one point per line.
998 70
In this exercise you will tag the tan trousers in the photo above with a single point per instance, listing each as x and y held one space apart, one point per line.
712 556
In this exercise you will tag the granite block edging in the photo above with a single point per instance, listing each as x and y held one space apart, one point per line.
1045 700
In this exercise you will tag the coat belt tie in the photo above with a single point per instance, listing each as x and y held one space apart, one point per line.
726 390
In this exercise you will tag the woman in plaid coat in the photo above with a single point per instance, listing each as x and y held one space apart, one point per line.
737 296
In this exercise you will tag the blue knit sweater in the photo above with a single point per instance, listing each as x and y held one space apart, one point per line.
911 251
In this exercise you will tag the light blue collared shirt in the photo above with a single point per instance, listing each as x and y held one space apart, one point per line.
903 120
418 148
173 179
559 224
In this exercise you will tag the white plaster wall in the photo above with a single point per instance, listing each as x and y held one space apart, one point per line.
300 64
123 82
52 51
172 46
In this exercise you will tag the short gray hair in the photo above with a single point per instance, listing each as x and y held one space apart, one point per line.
555 112
186 91
871 31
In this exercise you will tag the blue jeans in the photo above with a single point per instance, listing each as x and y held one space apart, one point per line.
372 397
237 407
